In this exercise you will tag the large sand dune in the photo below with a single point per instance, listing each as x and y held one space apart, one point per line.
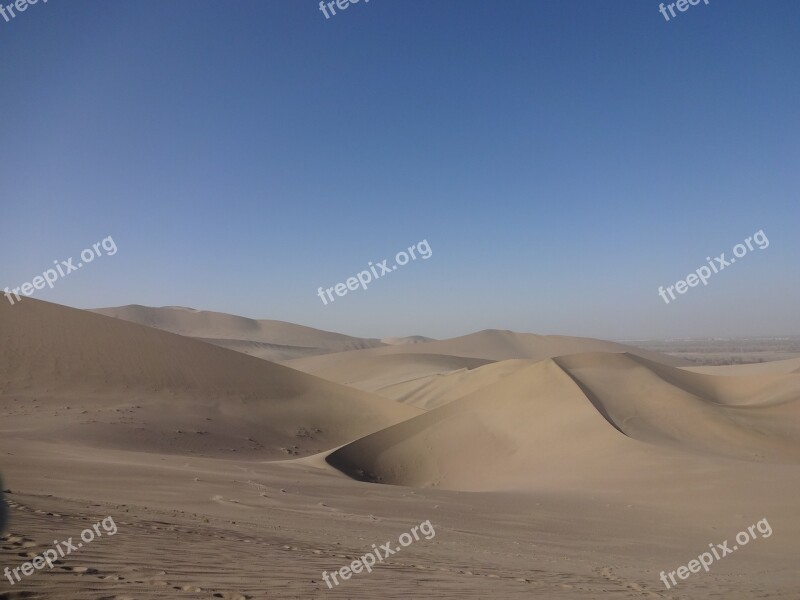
751 418
431 391
108 382
583 419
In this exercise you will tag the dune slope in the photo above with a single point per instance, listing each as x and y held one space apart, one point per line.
69 374
585 419
399 372
267 339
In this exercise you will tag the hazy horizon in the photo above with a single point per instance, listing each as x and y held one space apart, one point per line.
460 334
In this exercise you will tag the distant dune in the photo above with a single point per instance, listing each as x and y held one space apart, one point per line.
267 339
79 376
379 369
399 363
412 339
491 344
494 344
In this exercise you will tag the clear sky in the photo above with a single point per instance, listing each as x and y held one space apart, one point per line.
563 159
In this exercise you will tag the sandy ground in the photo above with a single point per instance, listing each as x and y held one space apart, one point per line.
205 528
549 467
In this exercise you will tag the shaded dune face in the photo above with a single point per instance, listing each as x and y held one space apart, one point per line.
76 376
585 417
755 418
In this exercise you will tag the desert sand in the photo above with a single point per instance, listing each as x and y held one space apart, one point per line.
550 467
273 340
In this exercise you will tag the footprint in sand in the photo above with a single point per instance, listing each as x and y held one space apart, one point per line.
608 573
15 541
80 570
12 538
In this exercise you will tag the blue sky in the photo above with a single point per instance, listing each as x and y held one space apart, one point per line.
563 158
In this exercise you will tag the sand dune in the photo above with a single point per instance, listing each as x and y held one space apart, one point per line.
494 438
267 339
376 373
754 419
432 391
583 458
582 419
313 350
265 350
533 430
491 344
413 373
116 384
